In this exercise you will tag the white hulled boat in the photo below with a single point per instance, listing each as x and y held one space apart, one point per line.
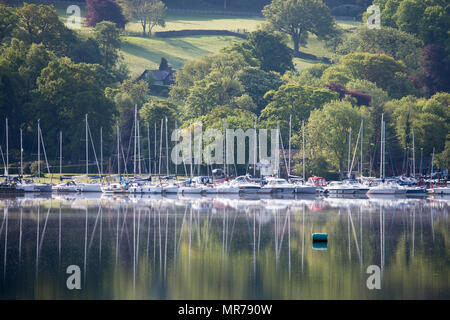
278 185
383 189
245 185
116 187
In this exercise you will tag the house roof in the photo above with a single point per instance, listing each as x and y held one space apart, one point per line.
159 75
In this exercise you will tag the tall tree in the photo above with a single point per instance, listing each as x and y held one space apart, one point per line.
388 9
409 14
104 10
296 100
65 93
270 50
328 131
388 73
41 24
297 18
149 13
8 21
156 15
428 118
257 82
435 69
399 44
108 38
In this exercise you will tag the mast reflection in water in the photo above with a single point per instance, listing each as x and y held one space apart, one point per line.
223 248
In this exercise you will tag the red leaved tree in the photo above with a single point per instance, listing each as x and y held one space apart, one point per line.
104 10
435 71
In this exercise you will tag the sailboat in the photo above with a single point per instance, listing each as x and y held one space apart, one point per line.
116 187
69 186
190 186
135 186
414 190
383 188
300 185
146 187
349 186
277 184
8 186
89 186
31 186
168 187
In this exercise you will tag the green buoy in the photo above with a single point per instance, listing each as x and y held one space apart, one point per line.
322 237
320 245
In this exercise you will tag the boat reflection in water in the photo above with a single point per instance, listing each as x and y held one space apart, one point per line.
223 247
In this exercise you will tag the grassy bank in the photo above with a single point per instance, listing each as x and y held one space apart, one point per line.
145 53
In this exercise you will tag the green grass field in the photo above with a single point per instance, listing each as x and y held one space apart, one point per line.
145 53
142 53
202 22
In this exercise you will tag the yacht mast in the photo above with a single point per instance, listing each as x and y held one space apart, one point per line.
255 151
289 156
39 151
160 146
87 149
362 137
176 153
349 150
7 149
167 149
149 150
190 146
101 152
118 148
354 152
277 155
21 154
135 134
224 150
384 149
60 154
139 147
155 150
303 147
381 147
414 155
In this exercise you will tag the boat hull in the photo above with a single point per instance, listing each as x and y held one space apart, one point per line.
306 189
35 187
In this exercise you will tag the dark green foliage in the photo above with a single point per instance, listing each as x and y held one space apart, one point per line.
270 50
257 82
298 18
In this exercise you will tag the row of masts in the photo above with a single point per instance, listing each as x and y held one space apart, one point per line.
137 166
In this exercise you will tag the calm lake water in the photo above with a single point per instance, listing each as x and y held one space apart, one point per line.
223 248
